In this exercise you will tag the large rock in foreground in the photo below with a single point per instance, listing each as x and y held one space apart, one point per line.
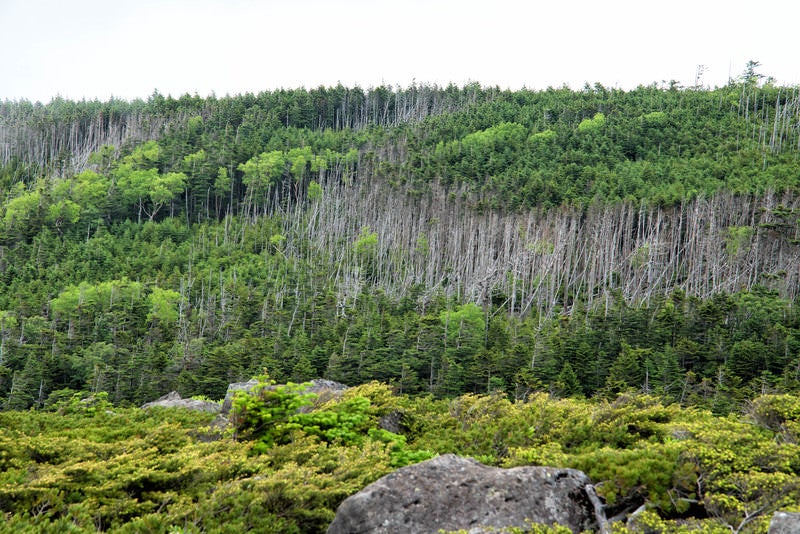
784 523
452 493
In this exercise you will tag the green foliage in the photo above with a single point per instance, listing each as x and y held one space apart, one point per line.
738 239
21 214
655 118
67 401
130 471
367 243
649 521
279 415
267 413
777 413
547 136
636 449
222 184
163 305
595 124
345 422
314 190
139 182
86 465
365 248
263 171
627 373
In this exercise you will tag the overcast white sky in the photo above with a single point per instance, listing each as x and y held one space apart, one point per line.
99 48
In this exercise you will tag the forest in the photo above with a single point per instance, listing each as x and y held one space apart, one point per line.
494 246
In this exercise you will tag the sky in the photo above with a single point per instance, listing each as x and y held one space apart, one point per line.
98 49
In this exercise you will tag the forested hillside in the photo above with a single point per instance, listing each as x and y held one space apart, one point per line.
445 240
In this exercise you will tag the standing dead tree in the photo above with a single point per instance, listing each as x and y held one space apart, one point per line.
550 260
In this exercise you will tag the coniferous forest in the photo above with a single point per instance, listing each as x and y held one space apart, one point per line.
599 278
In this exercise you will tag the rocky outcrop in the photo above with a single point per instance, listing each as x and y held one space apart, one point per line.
784 523
393 422
227 404
454 493
174 400
324 389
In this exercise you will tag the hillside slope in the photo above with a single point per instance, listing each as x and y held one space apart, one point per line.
447 240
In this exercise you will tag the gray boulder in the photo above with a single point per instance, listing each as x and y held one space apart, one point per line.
227 404
454 493
324 389
784 523
174 400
